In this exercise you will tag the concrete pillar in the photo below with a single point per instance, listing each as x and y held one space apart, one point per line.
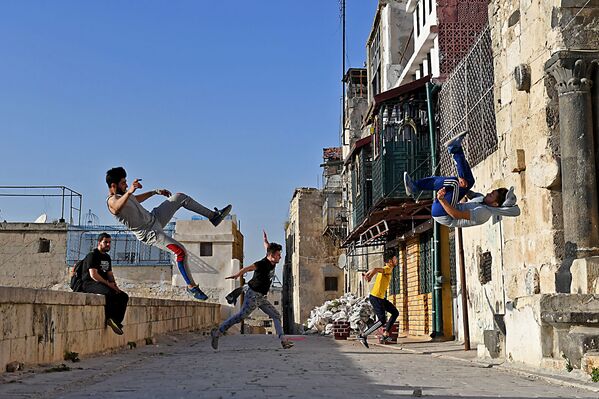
573 74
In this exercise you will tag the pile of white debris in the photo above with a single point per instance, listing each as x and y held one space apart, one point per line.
349 308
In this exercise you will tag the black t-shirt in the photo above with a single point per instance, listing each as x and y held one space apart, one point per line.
96 260
263 275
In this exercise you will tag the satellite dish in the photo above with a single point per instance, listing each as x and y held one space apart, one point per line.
342 261
41 218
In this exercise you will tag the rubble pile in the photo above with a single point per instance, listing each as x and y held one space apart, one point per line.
357 311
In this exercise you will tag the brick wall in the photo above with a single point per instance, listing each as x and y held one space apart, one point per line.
415 309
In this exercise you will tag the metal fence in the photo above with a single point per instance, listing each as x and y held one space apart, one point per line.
466 102
126 249
69 199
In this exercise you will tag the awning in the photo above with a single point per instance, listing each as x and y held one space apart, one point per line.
398 217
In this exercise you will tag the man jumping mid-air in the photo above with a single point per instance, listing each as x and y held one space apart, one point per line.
447 209
148 226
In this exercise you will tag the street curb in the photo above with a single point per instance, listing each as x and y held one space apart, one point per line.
498 366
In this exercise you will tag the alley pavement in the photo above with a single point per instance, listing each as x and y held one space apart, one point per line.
255 366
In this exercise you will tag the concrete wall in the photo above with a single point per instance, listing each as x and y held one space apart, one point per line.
210 271
38 326
22 263
314 255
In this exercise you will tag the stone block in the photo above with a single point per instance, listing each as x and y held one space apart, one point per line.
545 171
4 353
18 349
518 161
8 320
547 278
24 320
590 360
585 273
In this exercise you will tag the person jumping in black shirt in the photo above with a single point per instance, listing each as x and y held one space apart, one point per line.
255 297
97 278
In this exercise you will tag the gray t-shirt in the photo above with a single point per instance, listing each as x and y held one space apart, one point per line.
137 218
479 213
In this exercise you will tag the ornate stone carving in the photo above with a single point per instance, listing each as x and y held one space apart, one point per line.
573 75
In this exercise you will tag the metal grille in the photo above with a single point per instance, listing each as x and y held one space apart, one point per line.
395 287
452 258
126 249
425 262
466 102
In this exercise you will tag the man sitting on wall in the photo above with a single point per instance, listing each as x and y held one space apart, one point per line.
447 208
97 278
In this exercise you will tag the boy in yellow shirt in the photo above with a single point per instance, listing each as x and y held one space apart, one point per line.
381 305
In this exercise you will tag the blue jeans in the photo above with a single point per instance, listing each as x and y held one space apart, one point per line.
454 193
252 301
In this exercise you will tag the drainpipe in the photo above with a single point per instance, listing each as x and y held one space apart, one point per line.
431 89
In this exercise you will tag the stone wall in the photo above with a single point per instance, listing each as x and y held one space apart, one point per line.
32 254
545 153
38 326
526 251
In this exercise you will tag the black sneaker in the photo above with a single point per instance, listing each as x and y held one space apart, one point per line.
220 215
115 327
363 341
386 340
214 341
286 344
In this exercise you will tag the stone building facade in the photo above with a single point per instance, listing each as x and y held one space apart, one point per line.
535 302
311 275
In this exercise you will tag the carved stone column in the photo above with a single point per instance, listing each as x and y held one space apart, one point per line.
572 72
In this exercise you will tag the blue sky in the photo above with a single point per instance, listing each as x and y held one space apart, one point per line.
228 102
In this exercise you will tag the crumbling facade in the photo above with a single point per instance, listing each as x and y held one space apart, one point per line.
311 275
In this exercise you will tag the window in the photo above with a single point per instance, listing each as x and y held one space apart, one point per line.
429 63
43 246
417 21
424 13
276 303
330 283
205 249
425 262
267 323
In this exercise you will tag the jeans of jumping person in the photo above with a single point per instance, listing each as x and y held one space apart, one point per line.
252 301
158 238
455 193
381 307
116 302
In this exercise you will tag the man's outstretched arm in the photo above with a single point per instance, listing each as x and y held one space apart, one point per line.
145 196
451 211
242 271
